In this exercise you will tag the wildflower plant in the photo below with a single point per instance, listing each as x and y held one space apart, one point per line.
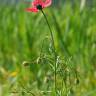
38 6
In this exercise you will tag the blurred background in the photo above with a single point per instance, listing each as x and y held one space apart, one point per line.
22 36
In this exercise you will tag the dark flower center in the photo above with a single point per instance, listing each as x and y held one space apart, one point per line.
39 7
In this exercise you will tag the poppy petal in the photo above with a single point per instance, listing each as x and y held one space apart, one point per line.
32 9
47 3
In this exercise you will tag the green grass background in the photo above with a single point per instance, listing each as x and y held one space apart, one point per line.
22 36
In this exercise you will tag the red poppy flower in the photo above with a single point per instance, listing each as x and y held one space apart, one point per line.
39 5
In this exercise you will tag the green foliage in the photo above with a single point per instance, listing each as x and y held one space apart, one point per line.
26 56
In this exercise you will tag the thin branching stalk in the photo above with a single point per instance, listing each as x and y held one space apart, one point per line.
52 40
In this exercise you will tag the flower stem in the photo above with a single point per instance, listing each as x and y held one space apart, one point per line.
52 40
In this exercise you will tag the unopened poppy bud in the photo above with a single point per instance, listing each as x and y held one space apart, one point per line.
77 81
26 63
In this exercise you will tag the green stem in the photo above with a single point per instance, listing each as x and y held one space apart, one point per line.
52 40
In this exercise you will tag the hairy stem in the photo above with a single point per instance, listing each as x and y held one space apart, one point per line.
52 40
